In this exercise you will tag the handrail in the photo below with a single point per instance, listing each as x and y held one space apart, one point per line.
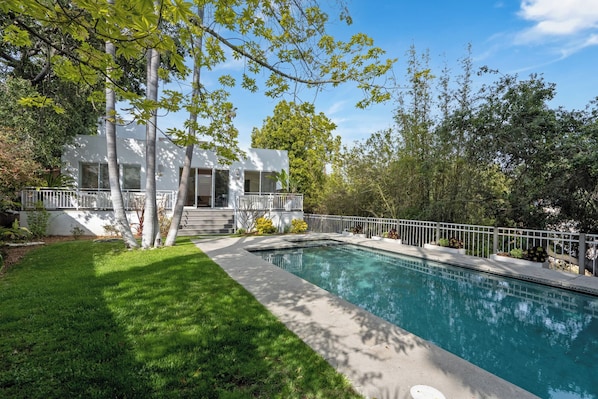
96 199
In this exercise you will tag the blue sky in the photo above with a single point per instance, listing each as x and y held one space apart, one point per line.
555 38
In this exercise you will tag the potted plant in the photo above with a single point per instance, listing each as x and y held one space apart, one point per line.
358 231
534 256
392 236
451 245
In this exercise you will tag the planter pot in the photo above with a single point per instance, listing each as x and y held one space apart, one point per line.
393 240
435 247
516 261
347 233
376 238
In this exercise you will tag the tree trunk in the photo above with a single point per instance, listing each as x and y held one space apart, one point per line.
116 194
151 230
182 193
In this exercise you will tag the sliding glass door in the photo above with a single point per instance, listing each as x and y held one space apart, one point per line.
207 188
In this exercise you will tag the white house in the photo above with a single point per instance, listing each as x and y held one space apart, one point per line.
227 189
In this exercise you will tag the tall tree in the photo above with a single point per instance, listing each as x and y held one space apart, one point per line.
308 138
285 39
151 229
516 130
111 150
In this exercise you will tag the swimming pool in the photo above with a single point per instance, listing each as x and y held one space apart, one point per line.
542 339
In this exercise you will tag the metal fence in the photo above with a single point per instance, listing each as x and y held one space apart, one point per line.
569 251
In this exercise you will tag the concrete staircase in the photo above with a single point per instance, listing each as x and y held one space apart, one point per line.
207 221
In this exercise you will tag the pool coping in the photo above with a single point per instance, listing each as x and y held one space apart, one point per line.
381 360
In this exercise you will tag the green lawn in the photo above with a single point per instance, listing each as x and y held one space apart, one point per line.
92 320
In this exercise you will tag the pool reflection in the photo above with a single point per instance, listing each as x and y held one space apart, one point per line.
542 339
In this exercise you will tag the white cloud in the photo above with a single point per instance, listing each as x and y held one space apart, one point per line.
555 19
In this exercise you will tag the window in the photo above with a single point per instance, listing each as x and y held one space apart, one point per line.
95 175
131 177
259 182
252 181
268 182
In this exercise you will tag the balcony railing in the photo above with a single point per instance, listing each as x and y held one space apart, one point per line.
66 198
78 199
270 201
570 251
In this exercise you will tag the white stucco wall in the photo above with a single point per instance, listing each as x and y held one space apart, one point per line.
92 222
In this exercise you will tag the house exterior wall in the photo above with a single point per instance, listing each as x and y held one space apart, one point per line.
169 158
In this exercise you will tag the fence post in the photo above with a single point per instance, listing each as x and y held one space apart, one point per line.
495 240
582 253
437 232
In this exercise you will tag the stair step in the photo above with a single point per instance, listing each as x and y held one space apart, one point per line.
207 221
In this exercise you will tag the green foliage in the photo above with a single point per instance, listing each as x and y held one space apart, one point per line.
38 221
41 127
536 254
190 331
77 232
452 242
452 156
298 226
241 231
17 167
15 233
516 253
56 179
264 225
308 138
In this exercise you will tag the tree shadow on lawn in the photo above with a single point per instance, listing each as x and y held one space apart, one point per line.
59 337
200 334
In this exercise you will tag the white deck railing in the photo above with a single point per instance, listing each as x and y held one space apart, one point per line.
568 248
66 198
270 201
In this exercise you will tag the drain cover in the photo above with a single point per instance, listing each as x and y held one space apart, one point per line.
425 392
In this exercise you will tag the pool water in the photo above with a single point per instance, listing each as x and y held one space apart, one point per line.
542 339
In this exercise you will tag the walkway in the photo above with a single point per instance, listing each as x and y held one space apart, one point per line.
381 360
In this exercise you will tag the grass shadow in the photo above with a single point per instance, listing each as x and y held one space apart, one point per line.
59 338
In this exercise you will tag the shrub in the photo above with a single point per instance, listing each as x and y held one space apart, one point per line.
451 243
241 231
536 254
298 226
14 233
516 253
77 232
264 226
455 243
393 233
38 220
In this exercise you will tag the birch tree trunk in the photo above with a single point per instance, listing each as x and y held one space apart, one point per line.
151 230
113 173
183 184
